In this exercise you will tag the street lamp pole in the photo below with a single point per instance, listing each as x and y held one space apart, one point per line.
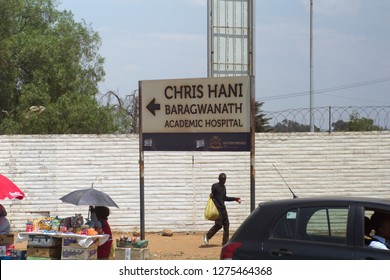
311 69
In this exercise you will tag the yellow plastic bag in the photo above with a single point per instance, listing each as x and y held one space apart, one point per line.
211 212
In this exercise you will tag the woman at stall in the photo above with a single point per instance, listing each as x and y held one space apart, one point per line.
99 215
5 227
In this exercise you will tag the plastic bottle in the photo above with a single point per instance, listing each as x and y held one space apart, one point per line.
29 226
56 224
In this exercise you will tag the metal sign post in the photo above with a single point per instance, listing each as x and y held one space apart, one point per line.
231 52
141 170
252 148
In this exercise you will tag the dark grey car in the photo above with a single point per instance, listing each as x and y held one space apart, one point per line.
307 228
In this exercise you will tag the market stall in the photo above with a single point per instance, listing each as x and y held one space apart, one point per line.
8 190
64 246
70 238
53 238
6 246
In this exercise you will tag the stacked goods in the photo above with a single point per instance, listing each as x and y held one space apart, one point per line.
133 242
49 253
42 224
74 224
77 221
41 240
131 253
71 250
131 248
43 247
6 246
19 254
54 239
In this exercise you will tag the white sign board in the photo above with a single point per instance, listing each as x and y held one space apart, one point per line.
211 105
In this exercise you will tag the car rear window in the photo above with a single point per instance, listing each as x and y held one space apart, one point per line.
328 222
313 224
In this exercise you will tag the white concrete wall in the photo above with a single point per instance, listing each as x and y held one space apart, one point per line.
177 184
351 164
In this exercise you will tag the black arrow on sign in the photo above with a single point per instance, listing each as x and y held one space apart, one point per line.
153 107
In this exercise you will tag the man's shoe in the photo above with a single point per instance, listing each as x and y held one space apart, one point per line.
205 239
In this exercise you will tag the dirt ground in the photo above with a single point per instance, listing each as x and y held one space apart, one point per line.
179 246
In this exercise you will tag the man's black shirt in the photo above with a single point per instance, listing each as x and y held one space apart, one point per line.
219 195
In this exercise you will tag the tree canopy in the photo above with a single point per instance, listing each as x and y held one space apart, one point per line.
356 123
49 72
262 122
293 126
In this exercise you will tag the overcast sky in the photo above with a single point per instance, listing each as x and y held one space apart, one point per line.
167 39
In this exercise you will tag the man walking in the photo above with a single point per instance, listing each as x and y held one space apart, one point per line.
218 194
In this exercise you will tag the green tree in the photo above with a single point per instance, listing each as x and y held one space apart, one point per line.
340 125
262 122
361 124
356 123
126 110
51 62
292 126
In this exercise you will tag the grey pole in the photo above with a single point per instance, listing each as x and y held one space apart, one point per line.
311 69
210 53
251 57
141 169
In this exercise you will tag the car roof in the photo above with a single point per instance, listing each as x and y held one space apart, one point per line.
325 199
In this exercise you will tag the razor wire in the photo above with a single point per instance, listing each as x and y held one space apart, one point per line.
325 119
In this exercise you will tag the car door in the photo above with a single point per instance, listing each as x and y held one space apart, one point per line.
361 249
366 253
310 233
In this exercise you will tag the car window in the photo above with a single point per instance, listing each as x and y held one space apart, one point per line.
369 226
313 224
286 225
328 222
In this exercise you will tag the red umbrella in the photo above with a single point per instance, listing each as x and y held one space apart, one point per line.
9 189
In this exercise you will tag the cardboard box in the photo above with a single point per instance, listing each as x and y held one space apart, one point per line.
39 240
132 253
127 244
71 242
6 239
19 254
42 252
78 254
3 251
41 259
6 250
